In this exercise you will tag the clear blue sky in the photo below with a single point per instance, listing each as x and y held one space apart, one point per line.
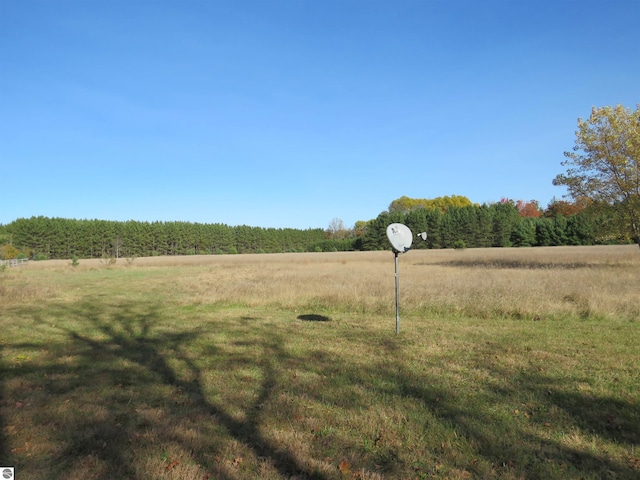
289 113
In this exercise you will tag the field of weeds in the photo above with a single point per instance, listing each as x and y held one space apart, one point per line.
510 364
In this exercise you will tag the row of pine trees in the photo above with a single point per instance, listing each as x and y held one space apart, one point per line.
44 237
494 225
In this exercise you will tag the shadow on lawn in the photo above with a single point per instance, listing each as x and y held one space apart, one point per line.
117 365
314 317
130 381
526 454
144 351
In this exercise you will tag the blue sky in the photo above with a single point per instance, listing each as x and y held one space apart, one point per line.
289 113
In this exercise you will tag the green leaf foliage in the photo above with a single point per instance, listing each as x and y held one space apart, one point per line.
604 164
406 204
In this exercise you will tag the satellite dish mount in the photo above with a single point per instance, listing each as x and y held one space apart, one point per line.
401 239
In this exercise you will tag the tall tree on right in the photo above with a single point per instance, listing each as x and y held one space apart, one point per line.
604 164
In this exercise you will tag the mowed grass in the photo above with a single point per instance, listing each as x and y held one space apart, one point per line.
510 364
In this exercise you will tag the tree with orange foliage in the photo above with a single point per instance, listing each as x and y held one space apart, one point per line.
530 209
565 208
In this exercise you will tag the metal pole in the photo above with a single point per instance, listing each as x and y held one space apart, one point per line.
397 298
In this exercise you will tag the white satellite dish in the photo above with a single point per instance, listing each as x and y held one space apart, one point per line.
400 237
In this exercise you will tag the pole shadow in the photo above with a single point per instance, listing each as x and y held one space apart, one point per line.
313 317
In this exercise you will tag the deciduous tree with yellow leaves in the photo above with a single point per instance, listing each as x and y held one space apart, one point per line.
604 164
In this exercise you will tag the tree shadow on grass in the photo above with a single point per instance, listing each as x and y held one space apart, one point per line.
125 383
517 264
521 452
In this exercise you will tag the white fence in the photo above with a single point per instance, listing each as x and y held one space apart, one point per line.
14 262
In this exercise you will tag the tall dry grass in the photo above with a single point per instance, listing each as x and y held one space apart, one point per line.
535 283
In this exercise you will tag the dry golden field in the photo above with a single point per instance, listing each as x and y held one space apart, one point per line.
600 281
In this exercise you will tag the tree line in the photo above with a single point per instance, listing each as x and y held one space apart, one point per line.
53 238
503 224
477 226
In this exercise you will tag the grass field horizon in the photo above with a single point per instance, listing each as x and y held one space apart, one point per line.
510 364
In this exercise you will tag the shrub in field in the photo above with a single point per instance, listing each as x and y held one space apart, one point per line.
459 245
108 260
8 252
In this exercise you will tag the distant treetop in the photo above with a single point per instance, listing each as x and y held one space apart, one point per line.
406 204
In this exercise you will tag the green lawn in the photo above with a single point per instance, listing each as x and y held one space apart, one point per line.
108 374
